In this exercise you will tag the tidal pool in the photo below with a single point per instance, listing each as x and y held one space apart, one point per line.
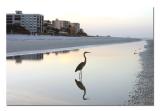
50 79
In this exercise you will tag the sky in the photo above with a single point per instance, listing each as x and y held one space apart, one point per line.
121 18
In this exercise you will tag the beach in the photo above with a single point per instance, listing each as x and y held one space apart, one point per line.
134 72
143 93
27 44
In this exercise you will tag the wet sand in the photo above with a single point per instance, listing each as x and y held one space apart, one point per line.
26 44
143 93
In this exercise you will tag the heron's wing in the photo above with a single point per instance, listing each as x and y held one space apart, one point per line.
80 66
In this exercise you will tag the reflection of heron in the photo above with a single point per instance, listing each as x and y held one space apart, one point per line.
82 64
82 87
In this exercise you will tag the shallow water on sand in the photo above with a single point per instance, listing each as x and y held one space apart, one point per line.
50 79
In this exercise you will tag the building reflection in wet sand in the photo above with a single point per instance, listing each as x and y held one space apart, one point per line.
35 57
19 59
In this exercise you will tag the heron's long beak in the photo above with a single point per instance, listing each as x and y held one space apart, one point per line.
88 52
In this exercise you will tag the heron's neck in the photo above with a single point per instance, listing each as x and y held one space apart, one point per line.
84 94
85 59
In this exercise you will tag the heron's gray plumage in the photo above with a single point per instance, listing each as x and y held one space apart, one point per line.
82 64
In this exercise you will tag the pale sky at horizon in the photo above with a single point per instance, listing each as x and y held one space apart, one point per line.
128 18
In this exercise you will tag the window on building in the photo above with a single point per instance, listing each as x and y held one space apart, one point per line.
17 17
9 22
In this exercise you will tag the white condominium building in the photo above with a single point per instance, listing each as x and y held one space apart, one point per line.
32 22
60 24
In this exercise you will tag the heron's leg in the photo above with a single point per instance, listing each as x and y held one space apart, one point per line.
79 75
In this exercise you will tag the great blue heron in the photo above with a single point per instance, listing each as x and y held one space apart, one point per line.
82 87
82 64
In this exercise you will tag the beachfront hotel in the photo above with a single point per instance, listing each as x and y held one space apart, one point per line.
60 24
19 23
63 25
31 22
76 26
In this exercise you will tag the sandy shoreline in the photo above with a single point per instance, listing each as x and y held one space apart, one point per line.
144 88
24 44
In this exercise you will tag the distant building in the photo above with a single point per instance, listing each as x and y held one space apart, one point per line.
56 24
65 25
32 22
47 27
76 27
60 24
46 22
